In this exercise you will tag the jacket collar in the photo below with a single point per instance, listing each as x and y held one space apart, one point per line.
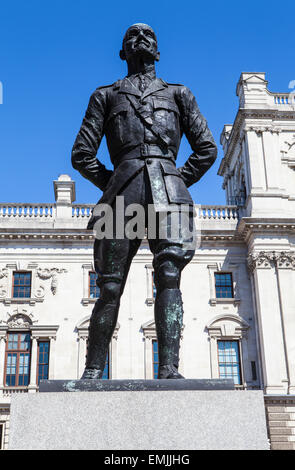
127 87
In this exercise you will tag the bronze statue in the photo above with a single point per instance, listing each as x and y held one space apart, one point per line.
143 119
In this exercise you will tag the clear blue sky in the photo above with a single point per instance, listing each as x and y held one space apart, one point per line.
53 54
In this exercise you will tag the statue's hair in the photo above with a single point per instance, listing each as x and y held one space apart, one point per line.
136 24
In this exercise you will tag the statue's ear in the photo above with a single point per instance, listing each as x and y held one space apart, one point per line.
157 58
122 55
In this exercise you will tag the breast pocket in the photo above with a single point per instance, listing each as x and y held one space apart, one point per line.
166 114
116 122
176 190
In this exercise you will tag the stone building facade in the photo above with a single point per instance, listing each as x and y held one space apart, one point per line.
239 306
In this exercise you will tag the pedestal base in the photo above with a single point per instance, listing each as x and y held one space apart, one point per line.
136 420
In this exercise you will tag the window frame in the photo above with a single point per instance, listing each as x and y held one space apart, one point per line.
41 340
155 363
239 363
224 273
18 351
14 273
89 285
234 270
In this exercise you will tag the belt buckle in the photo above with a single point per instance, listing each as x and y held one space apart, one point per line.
144 150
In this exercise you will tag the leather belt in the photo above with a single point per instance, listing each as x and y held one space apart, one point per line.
143 151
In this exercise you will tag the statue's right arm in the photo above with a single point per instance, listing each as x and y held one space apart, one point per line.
88 140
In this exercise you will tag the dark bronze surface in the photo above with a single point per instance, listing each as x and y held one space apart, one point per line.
143 118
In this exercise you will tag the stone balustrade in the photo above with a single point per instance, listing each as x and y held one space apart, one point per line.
217 212
83 211
280 98
284 101
27 210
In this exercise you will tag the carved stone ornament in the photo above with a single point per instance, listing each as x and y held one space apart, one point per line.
19 319
267 259
288 152
3 273
50 274
3 287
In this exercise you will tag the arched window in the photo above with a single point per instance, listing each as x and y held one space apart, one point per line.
228 346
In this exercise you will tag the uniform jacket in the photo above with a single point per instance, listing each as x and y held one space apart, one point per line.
144 129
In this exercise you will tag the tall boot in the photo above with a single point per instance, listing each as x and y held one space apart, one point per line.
102 324
168 318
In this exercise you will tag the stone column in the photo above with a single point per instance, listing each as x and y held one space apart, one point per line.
33 369
285 263
113 360
2 358
214 357
270 328
82 354
52 341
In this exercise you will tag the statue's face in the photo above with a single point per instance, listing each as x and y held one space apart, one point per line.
140 39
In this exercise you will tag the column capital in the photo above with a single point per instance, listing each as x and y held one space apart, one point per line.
268 259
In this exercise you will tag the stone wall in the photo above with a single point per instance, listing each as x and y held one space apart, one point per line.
280 414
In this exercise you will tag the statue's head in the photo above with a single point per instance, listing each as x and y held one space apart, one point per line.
140 39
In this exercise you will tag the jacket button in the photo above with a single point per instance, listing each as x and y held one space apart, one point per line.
149 161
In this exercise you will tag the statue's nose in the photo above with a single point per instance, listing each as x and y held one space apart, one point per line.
141 34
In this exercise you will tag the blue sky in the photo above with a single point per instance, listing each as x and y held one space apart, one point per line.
54 54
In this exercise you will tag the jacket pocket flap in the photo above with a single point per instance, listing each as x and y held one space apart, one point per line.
119 108
165 104
169 169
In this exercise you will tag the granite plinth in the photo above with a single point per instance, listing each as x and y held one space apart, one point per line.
134 385
139 420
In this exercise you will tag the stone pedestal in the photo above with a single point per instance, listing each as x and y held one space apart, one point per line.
132 418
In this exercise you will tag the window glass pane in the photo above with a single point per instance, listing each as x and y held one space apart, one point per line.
223 285
229 360
105 374
155 359
18 361
12 341
21 285
154 285
94 290
43 360
11 369
25 342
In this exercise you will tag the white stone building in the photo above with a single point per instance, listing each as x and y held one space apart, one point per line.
239 306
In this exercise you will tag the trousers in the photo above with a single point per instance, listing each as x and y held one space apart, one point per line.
112 260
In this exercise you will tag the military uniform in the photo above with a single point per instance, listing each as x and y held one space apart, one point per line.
143 131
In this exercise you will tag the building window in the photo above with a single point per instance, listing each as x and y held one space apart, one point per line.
94 290
223 285
17 359
154 289
43 361
155 359
21 287
106 372
229 361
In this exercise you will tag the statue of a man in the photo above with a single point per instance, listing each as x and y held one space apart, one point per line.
143 119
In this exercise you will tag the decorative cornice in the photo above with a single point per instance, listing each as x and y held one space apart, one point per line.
64 236
250 225
239 126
